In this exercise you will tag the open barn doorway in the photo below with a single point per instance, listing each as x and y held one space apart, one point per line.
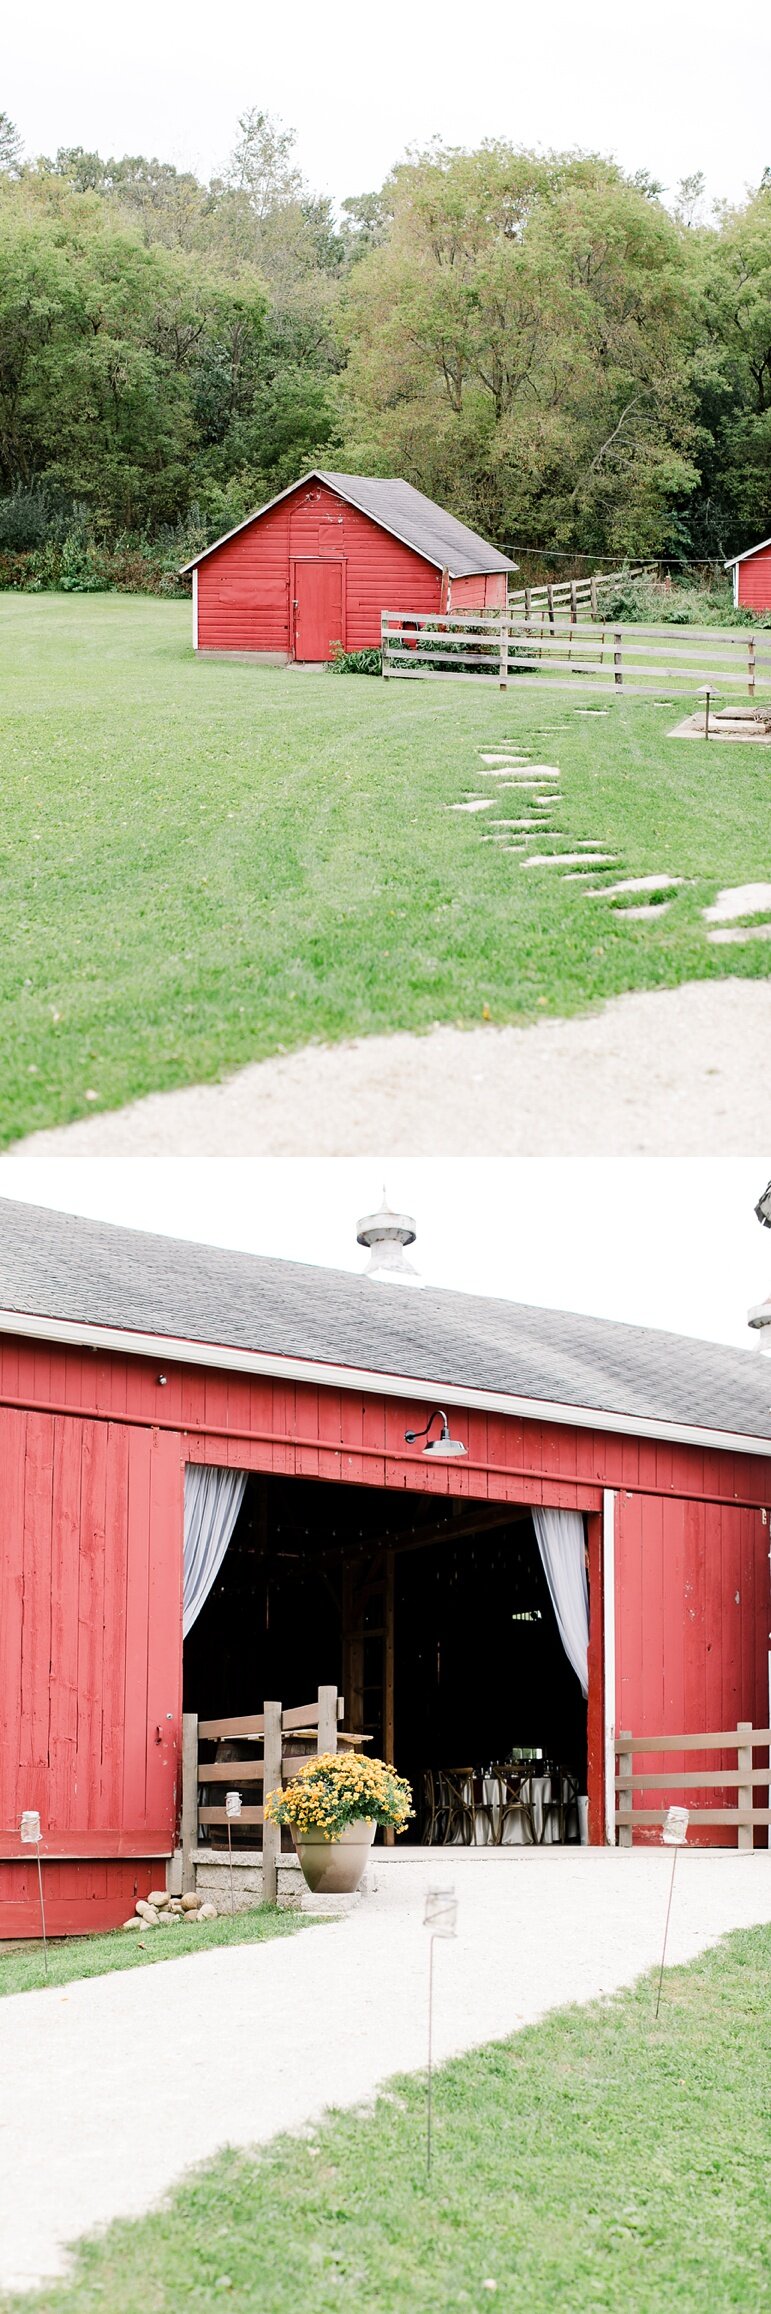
433 1616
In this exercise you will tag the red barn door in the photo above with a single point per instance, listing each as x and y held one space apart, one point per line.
319 610
91 1516
692 1618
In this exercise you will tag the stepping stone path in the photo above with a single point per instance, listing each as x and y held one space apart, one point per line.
633 898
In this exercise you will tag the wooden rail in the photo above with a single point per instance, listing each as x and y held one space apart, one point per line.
744 1739
568 593
501 648
275 1728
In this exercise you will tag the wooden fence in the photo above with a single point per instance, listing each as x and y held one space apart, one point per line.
282 1734
494 647
568 594
741 1780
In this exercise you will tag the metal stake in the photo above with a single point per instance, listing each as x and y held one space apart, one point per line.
429 2107
666 1930
674 1833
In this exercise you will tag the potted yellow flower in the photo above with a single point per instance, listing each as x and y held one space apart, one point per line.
333 1807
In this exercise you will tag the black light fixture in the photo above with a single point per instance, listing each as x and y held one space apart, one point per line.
444 1444
763 1208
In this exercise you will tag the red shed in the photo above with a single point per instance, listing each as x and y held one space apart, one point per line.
752 577
319 564
179 1422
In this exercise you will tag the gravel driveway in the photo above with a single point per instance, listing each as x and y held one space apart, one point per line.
672 1073
109 2089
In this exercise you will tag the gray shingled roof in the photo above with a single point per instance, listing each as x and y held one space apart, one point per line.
421 524
402 511
55 1266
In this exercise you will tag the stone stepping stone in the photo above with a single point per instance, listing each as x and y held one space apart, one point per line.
641 884
742 932
658 908
567 859
478 803
740 900
502 755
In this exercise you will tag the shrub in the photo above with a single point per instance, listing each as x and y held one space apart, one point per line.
355 662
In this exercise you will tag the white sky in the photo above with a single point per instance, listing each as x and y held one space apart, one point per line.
675 86
660 1242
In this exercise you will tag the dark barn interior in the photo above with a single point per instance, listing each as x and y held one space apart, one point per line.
431 1614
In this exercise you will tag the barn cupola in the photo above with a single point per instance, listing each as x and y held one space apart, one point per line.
386 1234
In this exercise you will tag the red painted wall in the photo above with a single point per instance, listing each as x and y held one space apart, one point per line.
755 582
92 1456
246 589
487 592
90 1670
692 1622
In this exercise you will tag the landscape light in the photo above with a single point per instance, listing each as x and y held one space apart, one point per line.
444 1444
674 1833
440 1918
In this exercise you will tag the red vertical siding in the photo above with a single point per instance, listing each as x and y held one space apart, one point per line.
755 582
245 589
90 1657
486 590
692 1591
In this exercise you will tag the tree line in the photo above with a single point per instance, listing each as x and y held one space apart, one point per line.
539 342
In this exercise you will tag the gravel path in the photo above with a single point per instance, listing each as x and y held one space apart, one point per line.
110 2089
671 1073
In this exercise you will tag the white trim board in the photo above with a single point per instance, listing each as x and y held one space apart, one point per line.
85 1335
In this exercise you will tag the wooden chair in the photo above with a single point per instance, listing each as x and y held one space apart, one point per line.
515 1801
456 1786
562 1806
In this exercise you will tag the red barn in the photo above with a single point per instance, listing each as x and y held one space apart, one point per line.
202 1441
319 564
752 577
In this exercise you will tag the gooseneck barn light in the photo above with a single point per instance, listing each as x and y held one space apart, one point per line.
444 1444
763 1208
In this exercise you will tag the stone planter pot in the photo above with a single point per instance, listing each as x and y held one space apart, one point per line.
335 1867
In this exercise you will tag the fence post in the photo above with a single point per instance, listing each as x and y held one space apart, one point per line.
744 1831
327 1737
751 666
550 605
573 603
624 1793
528 602
189 1825
503 652
271 1833
618 672
383 644
593 596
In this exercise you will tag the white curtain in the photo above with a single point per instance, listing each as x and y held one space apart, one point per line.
213 1500
560 1537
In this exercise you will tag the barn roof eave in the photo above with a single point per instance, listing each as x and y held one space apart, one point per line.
271 1364
318 474
749 551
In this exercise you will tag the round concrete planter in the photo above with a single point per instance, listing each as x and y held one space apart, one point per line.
334 1867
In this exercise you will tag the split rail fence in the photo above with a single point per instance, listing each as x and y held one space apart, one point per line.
568 593
497 647
740 1781
282 1734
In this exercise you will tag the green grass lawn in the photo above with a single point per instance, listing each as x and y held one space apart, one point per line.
205 862
22 1968
599 2163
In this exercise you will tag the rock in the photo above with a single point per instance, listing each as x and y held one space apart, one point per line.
175 1907
147 1913
167 1919
207 1912
191 1901
134 1922
160 1898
